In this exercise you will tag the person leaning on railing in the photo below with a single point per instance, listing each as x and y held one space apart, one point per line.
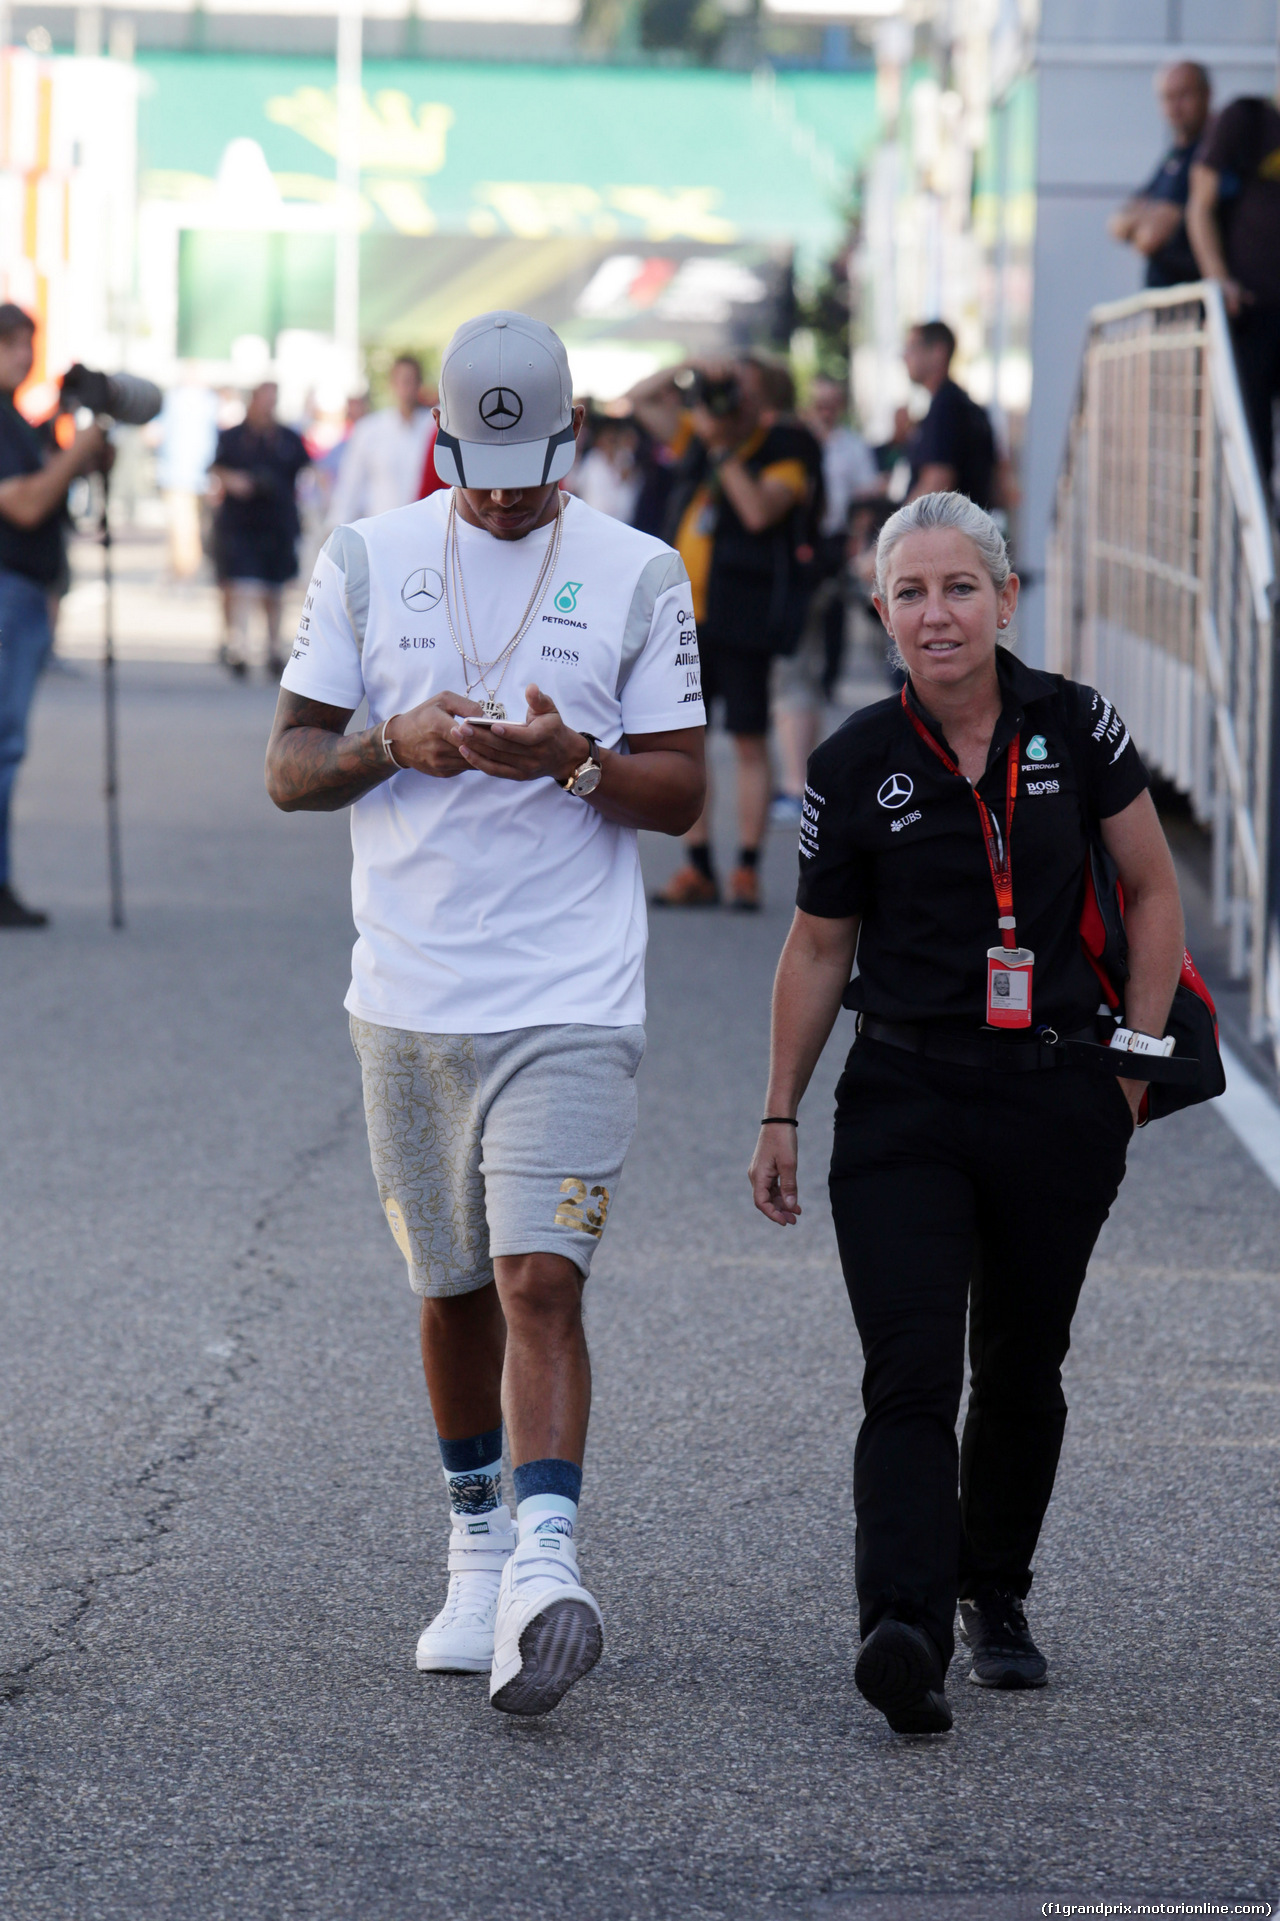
1243 149
960 1130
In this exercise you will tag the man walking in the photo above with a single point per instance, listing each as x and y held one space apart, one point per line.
497 997
257 526
34 478
382 462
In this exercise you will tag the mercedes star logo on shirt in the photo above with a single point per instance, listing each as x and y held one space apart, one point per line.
896 791
501 407
422 590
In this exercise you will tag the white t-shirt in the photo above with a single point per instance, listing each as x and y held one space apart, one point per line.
848 469
486 904
381 464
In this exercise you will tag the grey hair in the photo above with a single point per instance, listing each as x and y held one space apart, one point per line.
944 510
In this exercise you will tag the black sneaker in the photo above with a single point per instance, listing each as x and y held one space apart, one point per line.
899 1670
14 914
993 1623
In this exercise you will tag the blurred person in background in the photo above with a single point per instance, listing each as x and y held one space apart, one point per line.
739 516
34 477
953 450
609 477
325 470
806 680
1154 223
1239 164
382 464
186 436
256 528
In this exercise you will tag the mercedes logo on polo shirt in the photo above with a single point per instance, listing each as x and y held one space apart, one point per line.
896 791
422 590
501 407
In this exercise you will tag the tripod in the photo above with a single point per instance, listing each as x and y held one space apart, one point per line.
111 783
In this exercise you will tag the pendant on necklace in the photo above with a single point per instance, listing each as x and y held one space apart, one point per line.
494 709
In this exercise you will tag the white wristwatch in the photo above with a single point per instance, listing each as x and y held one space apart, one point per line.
585 779
1130 1041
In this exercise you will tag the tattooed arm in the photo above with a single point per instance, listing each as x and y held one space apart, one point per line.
314 765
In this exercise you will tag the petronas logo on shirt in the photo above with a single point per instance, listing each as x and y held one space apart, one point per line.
567 599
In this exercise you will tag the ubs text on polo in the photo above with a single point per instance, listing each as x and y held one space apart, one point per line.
891 836
485 904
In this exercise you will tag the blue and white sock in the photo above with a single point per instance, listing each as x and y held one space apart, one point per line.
473 1472
547 1496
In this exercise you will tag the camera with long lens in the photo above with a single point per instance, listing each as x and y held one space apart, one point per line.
125 398
720 394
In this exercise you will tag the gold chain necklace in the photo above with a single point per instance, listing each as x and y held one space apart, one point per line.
493 708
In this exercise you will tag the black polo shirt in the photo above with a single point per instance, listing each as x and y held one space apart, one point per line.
35 551
891 836
1173 264
956 433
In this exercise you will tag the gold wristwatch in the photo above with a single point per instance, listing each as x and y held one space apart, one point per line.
585 779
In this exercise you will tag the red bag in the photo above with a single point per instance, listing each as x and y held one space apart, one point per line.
1193 1018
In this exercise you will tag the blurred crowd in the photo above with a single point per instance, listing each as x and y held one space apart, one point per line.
773 501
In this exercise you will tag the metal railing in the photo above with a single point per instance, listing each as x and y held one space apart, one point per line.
1160 590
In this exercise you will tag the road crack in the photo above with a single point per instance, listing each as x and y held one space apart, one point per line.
258 1284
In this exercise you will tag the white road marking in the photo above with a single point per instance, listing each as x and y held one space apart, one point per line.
1252 1115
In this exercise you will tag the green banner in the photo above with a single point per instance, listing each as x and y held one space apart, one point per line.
527 152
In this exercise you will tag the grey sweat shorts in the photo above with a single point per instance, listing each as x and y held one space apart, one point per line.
487 1144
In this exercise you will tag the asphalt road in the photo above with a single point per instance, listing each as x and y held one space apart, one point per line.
223 1520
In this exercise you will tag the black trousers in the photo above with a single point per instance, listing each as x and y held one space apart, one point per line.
955 1186
1256 334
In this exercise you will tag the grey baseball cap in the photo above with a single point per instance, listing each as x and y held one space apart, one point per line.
506 404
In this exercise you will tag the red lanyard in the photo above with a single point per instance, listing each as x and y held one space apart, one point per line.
999 857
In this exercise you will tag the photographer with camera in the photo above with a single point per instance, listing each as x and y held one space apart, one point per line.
34 477
742 518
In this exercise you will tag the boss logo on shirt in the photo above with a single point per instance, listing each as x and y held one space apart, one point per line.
566 654
1041 787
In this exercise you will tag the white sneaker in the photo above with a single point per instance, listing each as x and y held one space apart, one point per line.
460 1639
548 1632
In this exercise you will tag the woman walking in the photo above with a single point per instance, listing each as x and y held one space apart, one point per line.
972 1167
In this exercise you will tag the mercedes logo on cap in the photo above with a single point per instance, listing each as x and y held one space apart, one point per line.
896 791
501 407
422 590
